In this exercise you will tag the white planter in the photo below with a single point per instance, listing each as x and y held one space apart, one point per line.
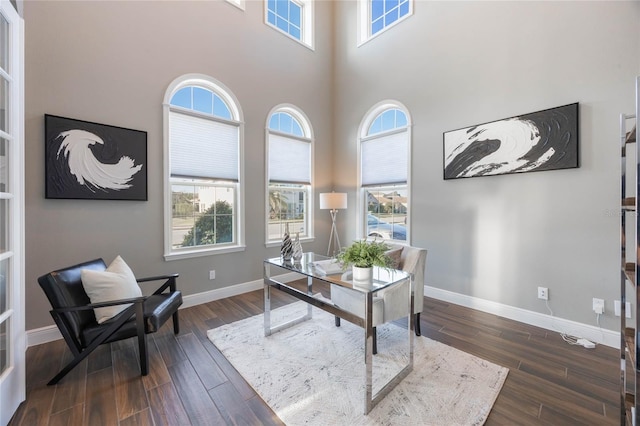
362 275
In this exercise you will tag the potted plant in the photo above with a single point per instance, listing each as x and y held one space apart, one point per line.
363 255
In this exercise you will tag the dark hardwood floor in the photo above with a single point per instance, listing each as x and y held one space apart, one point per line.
190 381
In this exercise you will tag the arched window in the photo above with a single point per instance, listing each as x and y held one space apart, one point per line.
289 151
203 168
384 148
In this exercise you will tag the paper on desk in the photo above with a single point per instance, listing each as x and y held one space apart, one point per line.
328 267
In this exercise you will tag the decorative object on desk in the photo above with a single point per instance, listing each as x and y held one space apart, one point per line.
333 201
286 249
543 140
363 255
318 384
297 248
85 160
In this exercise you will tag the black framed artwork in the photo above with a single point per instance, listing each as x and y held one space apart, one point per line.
85 160
542 140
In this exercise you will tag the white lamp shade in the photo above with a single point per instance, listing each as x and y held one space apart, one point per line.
333 201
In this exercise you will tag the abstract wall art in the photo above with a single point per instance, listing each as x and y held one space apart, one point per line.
543 140
85 160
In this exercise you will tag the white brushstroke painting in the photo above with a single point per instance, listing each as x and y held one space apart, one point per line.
86 160
87 169
544 140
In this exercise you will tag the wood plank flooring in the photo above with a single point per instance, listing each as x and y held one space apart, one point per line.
191 383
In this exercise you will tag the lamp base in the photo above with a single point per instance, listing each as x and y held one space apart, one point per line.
333 237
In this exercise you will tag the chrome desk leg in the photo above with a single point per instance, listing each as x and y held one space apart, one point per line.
370 399
310 292
368 353
269 329
267 301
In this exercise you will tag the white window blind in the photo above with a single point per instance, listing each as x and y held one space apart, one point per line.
202 148
289 160
384 159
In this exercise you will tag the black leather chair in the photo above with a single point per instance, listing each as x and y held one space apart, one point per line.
73 313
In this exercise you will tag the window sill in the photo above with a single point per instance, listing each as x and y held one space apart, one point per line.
202 252
304 42
279 242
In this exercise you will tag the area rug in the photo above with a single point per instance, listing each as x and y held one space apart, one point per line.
313 373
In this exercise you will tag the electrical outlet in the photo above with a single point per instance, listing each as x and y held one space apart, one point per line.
543 293
598 306
617 310
212 274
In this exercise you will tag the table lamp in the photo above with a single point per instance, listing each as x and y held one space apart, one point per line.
333 201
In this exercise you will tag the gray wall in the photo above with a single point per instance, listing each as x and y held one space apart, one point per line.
453 64
111 62
456 64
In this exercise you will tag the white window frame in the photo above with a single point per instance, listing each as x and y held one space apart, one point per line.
364 21
361 204
240 4
307 32
307 131
239 220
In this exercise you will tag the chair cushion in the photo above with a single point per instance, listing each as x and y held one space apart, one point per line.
157 309
394 254
115 283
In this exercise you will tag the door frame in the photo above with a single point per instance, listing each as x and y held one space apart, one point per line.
13 379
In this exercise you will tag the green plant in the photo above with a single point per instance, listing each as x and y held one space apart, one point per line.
365 254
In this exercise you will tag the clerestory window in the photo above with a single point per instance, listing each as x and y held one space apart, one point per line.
384 147
203 171
376 16
293 18
289 174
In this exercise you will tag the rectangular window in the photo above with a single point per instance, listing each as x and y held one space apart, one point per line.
376 16
386 212
288 206
202 213
291 17
204 175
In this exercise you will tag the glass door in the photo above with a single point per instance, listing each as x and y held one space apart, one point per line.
12 333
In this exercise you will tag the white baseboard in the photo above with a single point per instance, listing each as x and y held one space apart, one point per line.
548 322
41 335
50 333
47 334
219 293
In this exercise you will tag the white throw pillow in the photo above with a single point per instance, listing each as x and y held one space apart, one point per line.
115 283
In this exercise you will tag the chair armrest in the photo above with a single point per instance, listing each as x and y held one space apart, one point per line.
100 305
170 282
396 304
157 278
415 263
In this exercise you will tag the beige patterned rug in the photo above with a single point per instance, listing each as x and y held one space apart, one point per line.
312 373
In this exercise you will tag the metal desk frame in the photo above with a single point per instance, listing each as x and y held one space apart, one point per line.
389 279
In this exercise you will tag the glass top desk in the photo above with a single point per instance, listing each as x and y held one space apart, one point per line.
382 279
